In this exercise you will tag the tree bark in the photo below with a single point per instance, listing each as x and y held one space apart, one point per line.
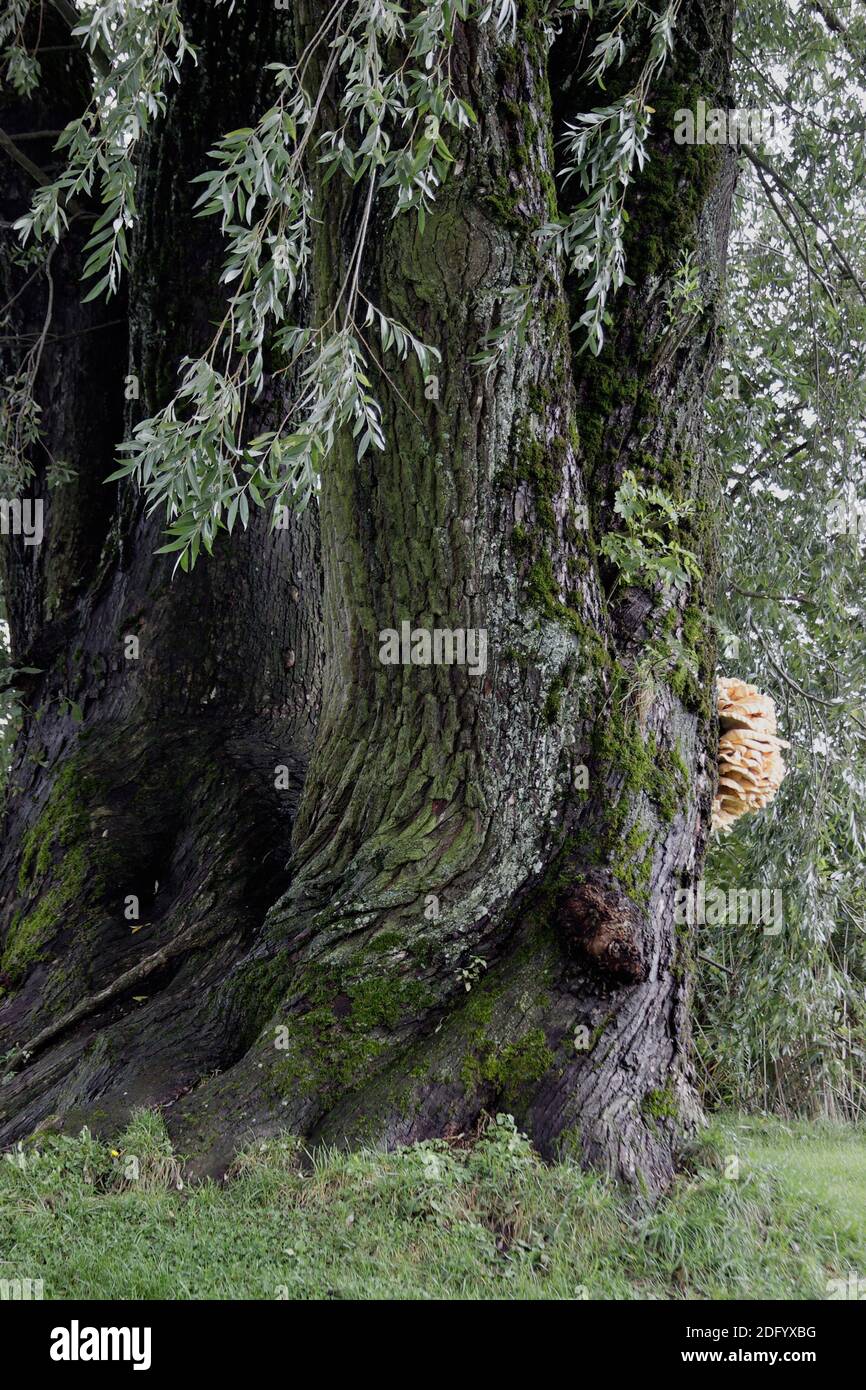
467 922
167 789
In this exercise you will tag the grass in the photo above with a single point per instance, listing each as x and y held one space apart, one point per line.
484 1220
820 1162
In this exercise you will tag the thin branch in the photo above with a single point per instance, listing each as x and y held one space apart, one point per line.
807 694
810 213
36 135
72 19
17 295
709 960
49 310
802 251
835 25
37 174
779 94
780 598
135 975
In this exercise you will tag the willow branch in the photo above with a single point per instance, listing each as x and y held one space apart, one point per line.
813 217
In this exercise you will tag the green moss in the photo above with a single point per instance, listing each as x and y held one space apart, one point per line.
605 390
541 467
645 770
504 203
671 785
382 1001
569 1147
660 1105
697 692
541 585
665 205
660 774
509 1069
539 396
632 865
256 990
668 197
386 941
521 541
599 1030
28 935
693 627
334 1043
421 950
61 823
56 847
553 703
620 744
322 1056
543 593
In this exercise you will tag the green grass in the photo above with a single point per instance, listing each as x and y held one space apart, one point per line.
818 1162
485 1220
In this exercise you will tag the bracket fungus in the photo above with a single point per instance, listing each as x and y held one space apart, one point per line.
750 753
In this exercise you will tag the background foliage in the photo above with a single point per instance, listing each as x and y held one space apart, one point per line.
782 1024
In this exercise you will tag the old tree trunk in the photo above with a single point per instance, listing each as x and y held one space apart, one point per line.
375 900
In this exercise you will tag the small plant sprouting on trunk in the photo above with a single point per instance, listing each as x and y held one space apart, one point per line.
647 552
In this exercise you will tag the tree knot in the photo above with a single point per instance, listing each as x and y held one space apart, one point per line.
602 928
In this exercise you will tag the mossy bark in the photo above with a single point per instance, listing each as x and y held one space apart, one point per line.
478 910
